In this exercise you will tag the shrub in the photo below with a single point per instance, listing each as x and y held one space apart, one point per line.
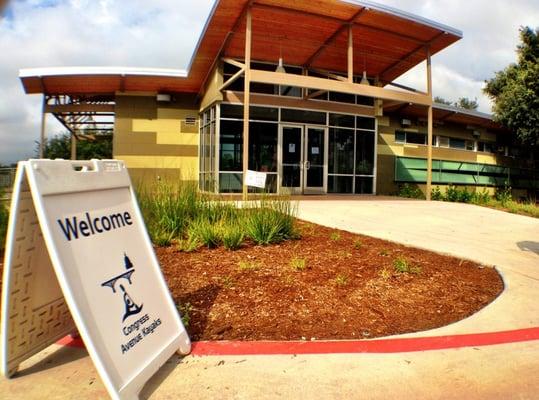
357 244
411 192
451 194
4 217
464 196
504 195
206 232
232 236
271 221
436 194
188 245
481 198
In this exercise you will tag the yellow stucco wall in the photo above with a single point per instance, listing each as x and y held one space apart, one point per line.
388 149
154 139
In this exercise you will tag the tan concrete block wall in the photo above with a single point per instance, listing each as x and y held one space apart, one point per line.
153 138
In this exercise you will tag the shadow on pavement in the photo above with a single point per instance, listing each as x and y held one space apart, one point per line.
63 355
528 245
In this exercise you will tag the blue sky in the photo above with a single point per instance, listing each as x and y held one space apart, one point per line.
163 33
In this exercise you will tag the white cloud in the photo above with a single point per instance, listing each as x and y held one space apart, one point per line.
163 33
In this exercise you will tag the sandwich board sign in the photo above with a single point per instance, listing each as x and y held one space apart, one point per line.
78 257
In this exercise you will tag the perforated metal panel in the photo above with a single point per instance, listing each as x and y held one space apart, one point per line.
35 312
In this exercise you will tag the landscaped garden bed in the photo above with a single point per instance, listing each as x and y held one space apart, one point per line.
329 284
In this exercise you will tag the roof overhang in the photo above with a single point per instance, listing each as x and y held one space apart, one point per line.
312 33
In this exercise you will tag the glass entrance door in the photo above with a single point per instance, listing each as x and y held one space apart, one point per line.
303 160
315 160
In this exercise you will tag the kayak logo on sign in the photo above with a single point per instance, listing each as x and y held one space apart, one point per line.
131 308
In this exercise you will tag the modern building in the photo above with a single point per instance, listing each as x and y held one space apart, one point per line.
303 91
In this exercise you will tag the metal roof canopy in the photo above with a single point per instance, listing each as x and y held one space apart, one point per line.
311 33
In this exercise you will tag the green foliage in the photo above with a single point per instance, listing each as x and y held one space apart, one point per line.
452 194
188 245
466 103
335 236
410 191
227 281
205 232
464 196
59 146
402 266
248 265
504 195
357 244
4 217
441 100
271 221
298 264
232 236
185 312
515 90
480 198
341 279
436 194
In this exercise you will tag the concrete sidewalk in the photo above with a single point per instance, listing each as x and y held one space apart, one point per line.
489 372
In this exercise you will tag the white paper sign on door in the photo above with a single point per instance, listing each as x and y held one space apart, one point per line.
256 179
85 253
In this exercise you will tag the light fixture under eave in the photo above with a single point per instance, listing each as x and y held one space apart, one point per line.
364 80
280 67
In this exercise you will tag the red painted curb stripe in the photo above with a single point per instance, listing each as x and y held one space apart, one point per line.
404 345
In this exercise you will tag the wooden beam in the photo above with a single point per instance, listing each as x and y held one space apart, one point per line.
350 54
409 55
410 89
246 101
330 75
232 79
234 62
330 39
312 82
314 94
82 107
429 127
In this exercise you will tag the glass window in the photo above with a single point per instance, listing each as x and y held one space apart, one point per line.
400 136
290 91
470 145
230 183
341 151
484 147
365 101
230 152
365 123
304 116
341 120
416 138
443 141
263 147
363 185
457 143
321 95
364 153
340 184
263 113
342 97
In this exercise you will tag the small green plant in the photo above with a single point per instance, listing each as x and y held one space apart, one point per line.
206 232
335 236
341 279
357 244
162 238
481 198
385 274
345 254
232 236
402 266
188 245
271 221
227 281
248 265
436 194
410 191
4 216
464 196
185 312
384 253
298 264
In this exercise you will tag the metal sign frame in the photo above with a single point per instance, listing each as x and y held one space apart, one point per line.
48 292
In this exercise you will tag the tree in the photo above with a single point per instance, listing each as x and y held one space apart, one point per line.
463 102
59 146
466 103
441 100
515 90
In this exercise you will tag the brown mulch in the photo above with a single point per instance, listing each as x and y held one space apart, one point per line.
348 290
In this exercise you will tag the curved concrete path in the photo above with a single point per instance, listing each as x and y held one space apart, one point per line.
488 372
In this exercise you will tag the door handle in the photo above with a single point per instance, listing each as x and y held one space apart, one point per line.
307 164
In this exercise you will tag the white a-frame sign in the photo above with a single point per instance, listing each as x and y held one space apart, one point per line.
78 257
